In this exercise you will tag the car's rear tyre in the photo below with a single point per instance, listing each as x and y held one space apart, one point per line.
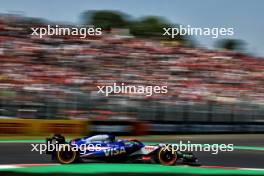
66 157
167 157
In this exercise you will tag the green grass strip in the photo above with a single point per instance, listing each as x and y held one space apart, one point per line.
133 168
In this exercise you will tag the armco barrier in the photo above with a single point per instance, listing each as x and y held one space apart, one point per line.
140 128
42 127
32 127
120 127
113 127
205 127
67 127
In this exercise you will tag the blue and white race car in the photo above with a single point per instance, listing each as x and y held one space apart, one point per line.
107 148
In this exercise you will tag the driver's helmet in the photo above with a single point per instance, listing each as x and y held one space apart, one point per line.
112 138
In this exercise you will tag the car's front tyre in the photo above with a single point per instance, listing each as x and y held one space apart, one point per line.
167 157
66 157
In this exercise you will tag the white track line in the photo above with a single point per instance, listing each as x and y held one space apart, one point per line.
233 168
8 167
13 166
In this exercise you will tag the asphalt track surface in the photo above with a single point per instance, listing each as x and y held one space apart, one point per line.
20 153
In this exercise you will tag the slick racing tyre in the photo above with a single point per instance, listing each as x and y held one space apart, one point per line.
66 157
167 157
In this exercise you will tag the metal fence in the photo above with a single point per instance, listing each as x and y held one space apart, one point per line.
45 107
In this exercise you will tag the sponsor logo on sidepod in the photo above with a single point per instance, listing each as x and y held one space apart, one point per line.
114 151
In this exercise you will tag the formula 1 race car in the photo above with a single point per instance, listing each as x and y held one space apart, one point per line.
108 149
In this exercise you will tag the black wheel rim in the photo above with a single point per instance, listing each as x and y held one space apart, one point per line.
66 155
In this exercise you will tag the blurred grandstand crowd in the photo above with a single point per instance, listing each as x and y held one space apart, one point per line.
57 77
